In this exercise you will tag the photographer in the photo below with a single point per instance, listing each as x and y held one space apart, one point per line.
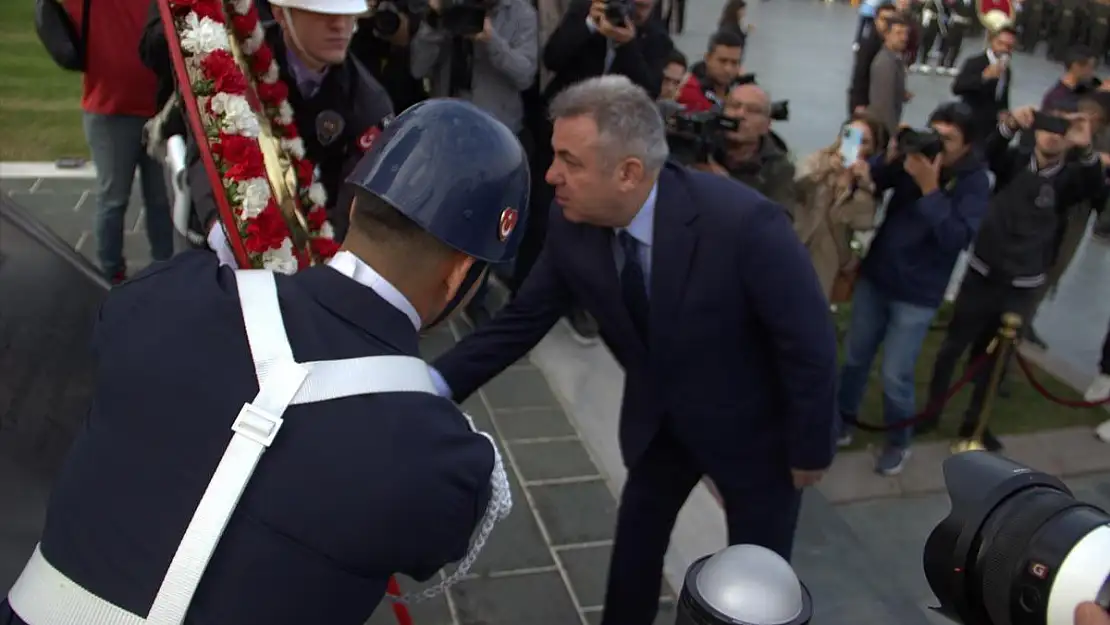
381 44
615 37
484 51
753 154
707 84
941 190
1019 238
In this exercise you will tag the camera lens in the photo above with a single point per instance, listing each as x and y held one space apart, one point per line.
386 21
1017 549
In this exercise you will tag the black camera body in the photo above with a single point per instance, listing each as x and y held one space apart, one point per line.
1017 547
694 138
618 12
926 142
464 17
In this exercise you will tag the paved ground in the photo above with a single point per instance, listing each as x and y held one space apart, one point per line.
555 418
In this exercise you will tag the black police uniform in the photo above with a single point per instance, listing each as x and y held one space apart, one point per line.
933 14
1031 21
961 18
1100 27
356 484
333 123
1072 14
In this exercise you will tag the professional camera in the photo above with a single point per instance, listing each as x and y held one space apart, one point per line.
695 137
464 17
618 12
926 142
1017 548
386 19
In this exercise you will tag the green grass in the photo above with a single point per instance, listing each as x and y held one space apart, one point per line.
1023 411
40 104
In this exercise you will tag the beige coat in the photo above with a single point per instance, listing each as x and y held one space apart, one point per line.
827 213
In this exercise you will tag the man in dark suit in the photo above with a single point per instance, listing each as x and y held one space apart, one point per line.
708 300
984 83
586 44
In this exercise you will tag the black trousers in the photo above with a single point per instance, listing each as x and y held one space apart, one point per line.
761 512
1104 365
975 322
928 38
953 41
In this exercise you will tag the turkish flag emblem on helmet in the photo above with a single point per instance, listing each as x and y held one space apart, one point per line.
509 217
366 141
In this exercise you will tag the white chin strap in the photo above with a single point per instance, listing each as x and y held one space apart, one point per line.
300 49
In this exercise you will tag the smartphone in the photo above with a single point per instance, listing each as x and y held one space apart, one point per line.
1050 123
850 140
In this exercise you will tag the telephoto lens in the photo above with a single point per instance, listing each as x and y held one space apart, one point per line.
743 585
1017 547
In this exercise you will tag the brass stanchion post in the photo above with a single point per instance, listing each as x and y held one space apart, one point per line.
1001 346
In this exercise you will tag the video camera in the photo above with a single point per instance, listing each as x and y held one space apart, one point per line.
1016 548
696 137
459 17
780 110
618 12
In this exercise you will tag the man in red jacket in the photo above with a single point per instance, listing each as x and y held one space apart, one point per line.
706 87
119 97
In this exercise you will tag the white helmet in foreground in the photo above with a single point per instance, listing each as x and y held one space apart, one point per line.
326 7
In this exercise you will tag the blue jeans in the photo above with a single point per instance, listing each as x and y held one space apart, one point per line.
901 329
116 144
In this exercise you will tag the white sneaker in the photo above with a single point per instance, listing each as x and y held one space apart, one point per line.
952 71
915 68
926 69
1099 389
1102 432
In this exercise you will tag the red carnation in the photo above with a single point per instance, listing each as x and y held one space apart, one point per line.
212 9
316 219
241 155
262 59
304 261
267 231
305 172
323 247
244 24
221 69
273 94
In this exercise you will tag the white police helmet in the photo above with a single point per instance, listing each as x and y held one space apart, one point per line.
326 7
743 585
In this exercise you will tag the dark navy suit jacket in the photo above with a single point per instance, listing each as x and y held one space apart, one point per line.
742 350
352 491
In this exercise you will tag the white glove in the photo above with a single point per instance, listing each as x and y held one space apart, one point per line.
219 244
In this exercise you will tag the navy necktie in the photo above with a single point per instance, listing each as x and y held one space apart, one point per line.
633 287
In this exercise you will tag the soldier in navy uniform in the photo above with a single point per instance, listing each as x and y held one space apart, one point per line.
337 104
368 473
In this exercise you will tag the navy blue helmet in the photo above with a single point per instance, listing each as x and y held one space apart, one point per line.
457 172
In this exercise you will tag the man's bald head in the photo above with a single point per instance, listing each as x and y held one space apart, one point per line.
752 105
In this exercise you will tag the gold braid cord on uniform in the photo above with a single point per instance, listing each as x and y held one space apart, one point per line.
271 203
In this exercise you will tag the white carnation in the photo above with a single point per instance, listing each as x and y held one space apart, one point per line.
242 7
326 231
254 195
252 43
285 113
293 147
272 75
236 114
317 195
203 36
280 260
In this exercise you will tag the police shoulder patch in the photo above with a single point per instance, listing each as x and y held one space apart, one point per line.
505 227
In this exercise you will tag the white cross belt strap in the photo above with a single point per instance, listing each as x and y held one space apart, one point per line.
44 595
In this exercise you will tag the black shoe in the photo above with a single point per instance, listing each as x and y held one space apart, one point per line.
583 327
927 426
1031 336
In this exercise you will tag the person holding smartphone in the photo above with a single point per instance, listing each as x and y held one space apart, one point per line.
1018 241
835 198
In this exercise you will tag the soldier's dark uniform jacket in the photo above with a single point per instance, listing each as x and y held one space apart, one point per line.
353 490
334 124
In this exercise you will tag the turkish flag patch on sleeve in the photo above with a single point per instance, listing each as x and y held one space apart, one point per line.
366 141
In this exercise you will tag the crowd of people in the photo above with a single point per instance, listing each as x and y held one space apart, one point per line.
679 267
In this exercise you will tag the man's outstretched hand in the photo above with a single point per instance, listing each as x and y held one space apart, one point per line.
1091 614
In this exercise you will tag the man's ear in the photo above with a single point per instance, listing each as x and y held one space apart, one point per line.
460 267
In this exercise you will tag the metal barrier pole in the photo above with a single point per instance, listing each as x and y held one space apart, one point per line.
1001 346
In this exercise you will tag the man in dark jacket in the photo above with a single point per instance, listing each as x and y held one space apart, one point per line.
755 155
1018 242
869 47
932 216
984 82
